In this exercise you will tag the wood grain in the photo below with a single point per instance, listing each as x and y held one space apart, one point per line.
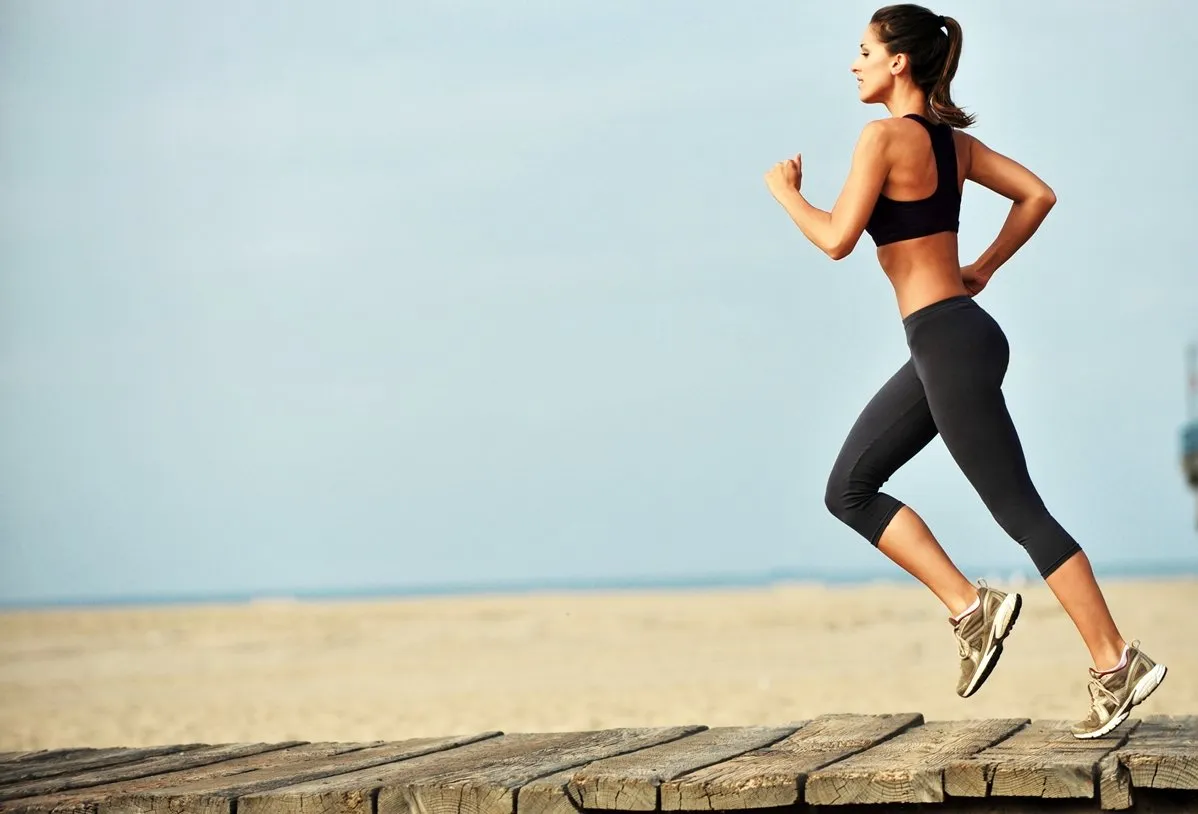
852 761
14 757
216 795
90 800
774 776
161 764
630 782
470 789
1041 760
908 768
480 777
1114 784
1162 753
73 763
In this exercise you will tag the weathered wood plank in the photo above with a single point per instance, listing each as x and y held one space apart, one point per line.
908 768
61 754
25 761
216 795
774 776
71 763
480 778
1114 784
356 791
1159 803
13 757
89 800
161 764
72 752
870 760
1064 767
1162 753
471 789
1041 760
630 782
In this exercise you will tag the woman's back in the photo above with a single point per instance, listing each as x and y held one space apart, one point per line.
914 221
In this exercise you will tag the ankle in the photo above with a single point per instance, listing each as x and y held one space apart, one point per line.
962 606
1111 657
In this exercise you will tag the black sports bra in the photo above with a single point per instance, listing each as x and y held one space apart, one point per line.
893 220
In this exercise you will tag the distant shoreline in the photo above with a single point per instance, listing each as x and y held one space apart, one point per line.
1174 569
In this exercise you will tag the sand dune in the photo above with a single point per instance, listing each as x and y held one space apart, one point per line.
395 669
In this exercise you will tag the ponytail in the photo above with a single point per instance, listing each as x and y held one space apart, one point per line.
939 99
920 34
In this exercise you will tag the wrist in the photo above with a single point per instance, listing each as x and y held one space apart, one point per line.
982 269
792 200
795 195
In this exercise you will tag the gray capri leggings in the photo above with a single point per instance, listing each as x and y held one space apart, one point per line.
951 386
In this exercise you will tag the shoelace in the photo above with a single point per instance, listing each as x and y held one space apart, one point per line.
962 645
1100 698
963 648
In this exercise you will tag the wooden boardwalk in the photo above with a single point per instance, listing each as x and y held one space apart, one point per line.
835 762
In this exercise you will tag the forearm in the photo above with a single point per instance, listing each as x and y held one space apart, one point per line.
815 224
1022 222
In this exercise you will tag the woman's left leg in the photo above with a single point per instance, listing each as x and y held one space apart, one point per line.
961 355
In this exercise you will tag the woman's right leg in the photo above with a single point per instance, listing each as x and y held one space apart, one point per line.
895 425
891 430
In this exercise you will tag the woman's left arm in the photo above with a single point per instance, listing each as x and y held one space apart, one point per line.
836 233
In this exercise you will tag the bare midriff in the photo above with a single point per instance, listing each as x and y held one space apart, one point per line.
923 270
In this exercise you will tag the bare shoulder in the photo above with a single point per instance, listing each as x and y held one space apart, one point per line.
890 127
896 131
877 136
877 131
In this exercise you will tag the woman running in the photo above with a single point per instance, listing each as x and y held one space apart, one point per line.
904 189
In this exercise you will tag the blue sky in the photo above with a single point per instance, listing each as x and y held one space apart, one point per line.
304 298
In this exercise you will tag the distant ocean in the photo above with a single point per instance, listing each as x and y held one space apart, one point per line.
762 579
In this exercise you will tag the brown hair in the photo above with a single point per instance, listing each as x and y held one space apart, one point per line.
915 31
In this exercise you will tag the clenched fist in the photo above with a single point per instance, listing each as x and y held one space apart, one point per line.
785 175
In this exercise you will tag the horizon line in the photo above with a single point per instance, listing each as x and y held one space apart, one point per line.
714 580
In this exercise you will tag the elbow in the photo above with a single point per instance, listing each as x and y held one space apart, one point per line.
840 250
1045 199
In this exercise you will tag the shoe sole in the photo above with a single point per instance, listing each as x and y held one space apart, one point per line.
1004 622
1144 688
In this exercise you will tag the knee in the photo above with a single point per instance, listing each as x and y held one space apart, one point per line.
839 496
1022 520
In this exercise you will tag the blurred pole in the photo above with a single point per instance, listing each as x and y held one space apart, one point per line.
1189 449
1192 380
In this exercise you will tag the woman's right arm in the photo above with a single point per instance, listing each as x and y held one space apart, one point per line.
1031 200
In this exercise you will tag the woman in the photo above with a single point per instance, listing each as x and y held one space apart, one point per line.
904 189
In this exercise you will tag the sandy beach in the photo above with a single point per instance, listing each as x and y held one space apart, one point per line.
394 669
